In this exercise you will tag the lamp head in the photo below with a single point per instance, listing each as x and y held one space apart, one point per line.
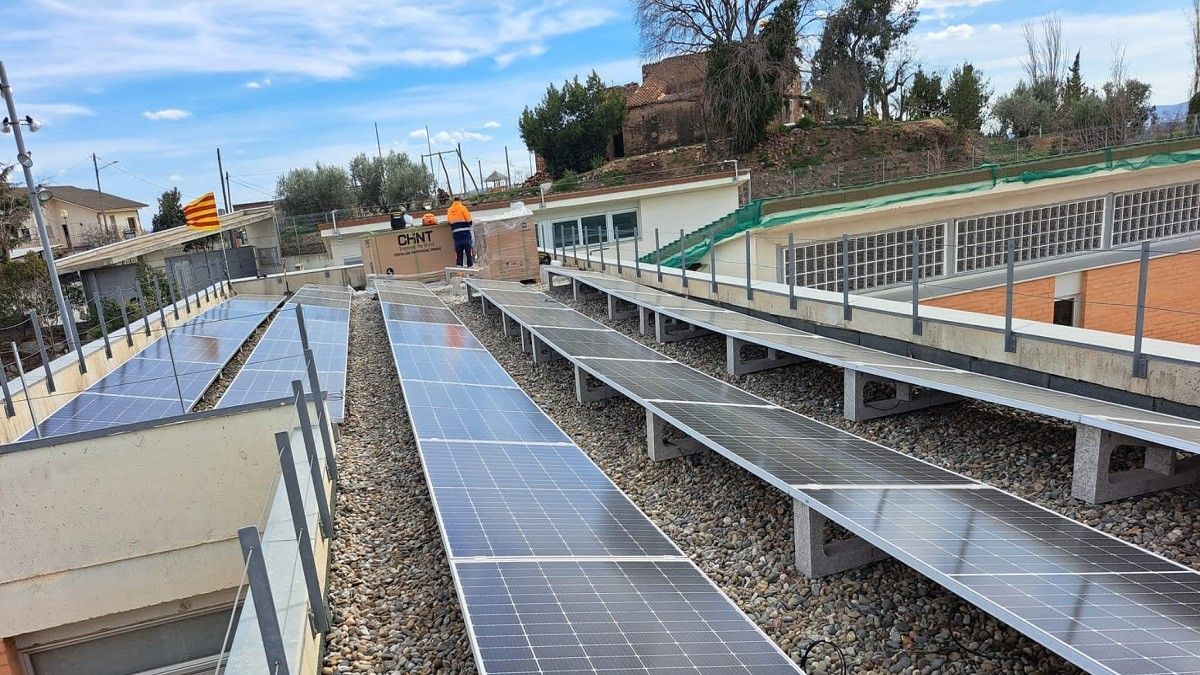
25 160
44 194
33 124
6 126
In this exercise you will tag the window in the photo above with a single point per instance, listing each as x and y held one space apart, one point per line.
1038 232
112 221
877 259
1064 312
1156 212
132 223
625 224
566 233
595 229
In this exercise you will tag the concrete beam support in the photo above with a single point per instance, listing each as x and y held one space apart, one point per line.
818 558
542 352
857 409
483 305
471 293
660 448
669 329
738 365
588 389
619 310
1094 482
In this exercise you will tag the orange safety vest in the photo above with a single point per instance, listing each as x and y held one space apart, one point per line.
458 213
428 219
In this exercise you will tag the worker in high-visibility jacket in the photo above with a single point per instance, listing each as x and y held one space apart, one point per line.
460 227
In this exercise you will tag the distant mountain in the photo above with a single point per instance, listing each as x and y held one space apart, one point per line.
1170 113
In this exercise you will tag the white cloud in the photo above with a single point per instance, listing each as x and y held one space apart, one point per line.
174 177
308 39
170 114
49 112
491 124
962 31
995 28
258 84
944 9
417 133
454 137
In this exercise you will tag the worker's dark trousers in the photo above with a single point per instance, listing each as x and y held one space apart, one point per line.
462 249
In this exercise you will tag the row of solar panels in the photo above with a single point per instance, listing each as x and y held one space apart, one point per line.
166 378
1105 605
1168 430
557 570
278 358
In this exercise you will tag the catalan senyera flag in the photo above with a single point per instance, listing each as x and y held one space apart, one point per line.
201 213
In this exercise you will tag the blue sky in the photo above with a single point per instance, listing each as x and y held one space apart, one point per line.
158 86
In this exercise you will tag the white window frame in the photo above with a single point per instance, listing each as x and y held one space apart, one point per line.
609 229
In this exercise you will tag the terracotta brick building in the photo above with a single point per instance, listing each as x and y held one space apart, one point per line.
665 109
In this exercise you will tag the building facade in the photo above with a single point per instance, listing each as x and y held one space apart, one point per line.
78 218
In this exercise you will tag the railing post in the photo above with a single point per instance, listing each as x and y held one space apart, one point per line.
103 326
41 342
657 256
318 612
207 276
916 285
617 244
171 294
1010 261
637 262
846 311
749 286
142 304
712 260
9 409
683 260
310 451
1140 366
125 322
25 389
791 276
314 383
187 298
264 603
603 266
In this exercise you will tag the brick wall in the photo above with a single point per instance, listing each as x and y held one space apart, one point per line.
1108 298
8 658
1172 298
1032 301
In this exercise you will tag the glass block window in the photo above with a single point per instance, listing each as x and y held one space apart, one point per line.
1040 232
878 259
1155 213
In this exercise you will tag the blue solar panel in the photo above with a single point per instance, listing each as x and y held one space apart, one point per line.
432 334
464 366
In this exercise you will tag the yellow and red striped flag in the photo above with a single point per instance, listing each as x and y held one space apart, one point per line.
201 213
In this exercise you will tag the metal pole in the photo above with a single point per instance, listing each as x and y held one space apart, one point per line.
103 326
221 180
657 256
617 246
1010 260
171 293
187 298
507 169
125 321
683 260
603 267
291 483
310 449
637 262
142 304
1140 366
64 310
264 602
37 334
846 311
25 389
207 276
916 282
9 410
100 195
791 275
174 370
712 260
749 287
322 415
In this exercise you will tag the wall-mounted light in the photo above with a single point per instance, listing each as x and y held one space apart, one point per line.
7 125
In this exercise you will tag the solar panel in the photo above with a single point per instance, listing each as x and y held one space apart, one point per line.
515 496
278 358
392 312
597 344
1176 432
667 380
989 546
609 616
147 387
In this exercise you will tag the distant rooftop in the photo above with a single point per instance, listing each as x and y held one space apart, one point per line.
92 199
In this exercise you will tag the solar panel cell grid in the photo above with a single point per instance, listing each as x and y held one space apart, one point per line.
590 343
462 366
393 312
433 334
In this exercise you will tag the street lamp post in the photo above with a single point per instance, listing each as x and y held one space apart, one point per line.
13 123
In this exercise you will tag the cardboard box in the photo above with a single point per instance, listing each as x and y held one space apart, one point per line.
506 246
417 252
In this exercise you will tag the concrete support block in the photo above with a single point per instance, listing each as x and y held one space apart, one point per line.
1094 482
660 448
526 340
542 352
511 328
738 365
857 409
555 288
818 558
588 389
619 310
668 329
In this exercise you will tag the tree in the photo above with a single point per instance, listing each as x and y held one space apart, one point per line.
668 27
14 210
744 81
1073 88
1088 111
1194 24
404 179
858 44
1023 112
967 96
25 285
170 212
925 97
1194 105
320 189
570 128
1045 56
366 175
1126 99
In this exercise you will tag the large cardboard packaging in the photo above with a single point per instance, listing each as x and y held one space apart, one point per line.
416 252
506 245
